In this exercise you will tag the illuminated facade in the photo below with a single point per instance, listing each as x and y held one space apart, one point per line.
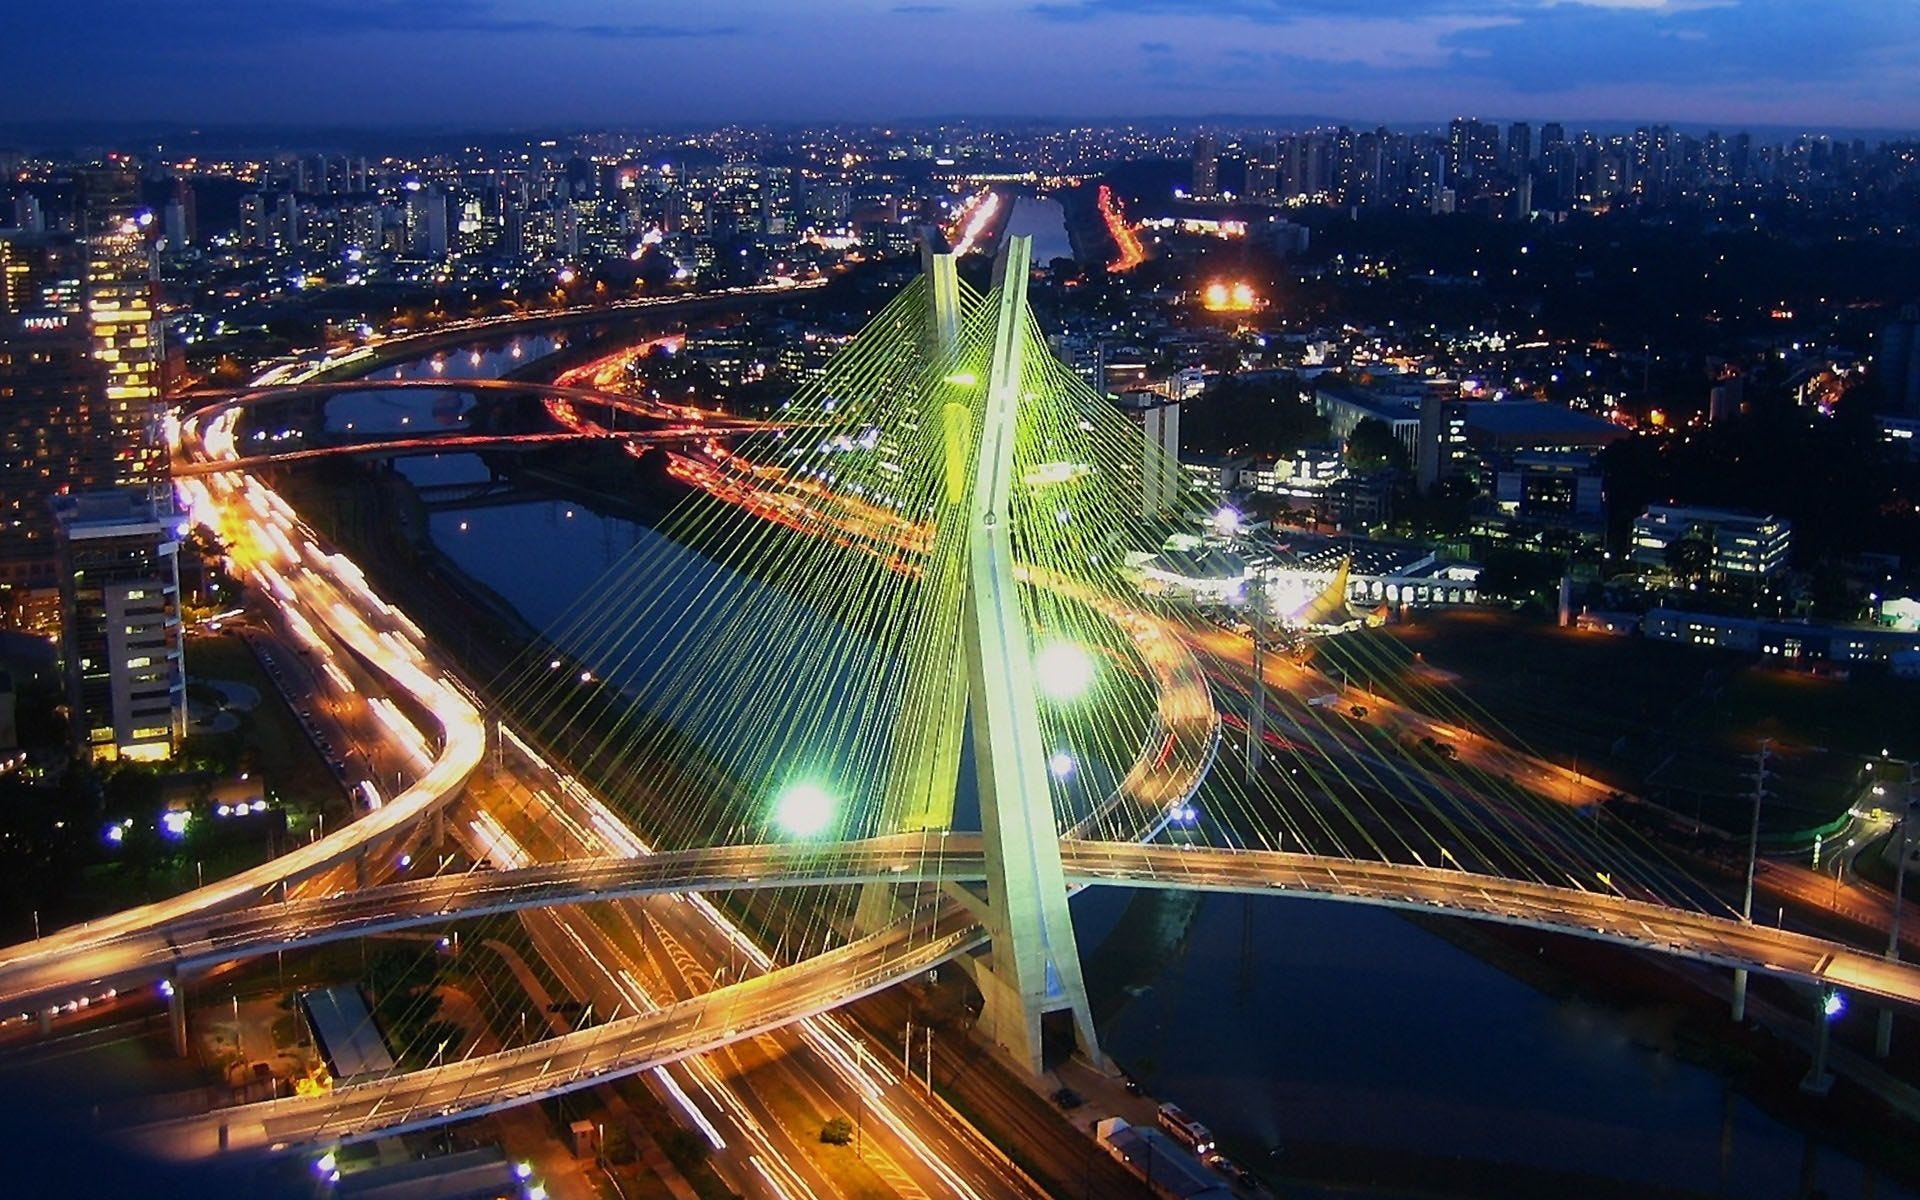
119 298
120 624
1746 546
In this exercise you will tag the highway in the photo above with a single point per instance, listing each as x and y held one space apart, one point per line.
911 1148
316 592
595 1054
633 955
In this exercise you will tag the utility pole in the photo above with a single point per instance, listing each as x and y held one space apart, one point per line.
1760 777
1883 1032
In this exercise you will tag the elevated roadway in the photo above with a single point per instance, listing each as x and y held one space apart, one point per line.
586 1057
204 939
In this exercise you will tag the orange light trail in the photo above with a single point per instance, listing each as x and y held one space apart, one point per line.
1132 251
973 220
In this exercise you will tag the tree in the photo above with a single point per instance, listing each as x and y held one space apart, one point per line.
837 1132
1688 558
1372 447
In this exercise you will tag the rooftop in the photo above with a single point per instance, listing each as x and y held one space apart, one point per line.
1539 421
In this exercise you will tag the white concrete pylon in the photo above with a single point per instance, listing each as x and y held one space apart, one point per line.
1034 968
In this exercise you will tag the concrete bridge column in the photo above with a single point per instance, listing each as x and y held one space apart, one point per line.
1818 1082
437 830
177 1011
1739 995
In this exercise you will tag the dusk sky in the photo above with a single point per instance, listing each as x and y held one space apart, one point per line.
518 63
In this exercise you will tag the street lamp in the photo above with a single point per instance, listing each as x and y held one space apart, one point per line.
804 809
1064 671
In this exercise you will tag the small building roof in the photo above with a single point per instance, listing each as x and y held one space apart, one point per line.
1536 422
344 1029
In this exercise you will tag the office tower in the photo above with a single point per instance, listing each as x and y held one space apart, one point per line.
118 562
52 390
1519 147
1552 135
41 272
1206 167
119 290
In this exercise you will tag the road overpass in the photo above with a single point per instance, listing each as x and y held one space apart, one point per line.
205 939
586 1057
419 1099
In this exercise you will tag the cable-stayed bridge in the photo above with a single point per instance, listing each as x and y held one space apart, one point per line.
889 685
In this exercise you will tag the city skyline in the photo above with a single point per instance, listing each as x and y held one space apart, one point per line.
497 64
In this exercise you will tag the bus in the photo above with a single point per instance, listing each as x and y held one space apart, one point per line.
1185 1130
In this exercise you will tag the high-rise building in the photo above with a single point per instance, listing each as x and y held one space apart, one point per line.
1519 147
291 228
120 623
1263 174
180 217
1160 458
51 388
254 225
27 217
1896 360
126 332
40 272
1206 167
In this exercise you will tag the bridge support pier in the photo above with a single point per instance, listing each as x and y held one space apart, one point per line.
45 1018
1883 1034
1739 995
177 1012
1818 1082
437 830
873 910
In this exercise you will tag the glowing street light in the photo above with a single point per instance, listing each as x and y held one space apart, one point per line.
1833 1004
1064 670
804 809
1061 764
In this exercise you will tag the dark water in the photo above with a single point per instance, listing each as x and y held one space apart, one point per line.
1277 1021
1042 219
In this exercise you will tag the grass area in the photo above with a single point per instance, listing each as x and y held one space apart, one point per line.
270 736
1677 724
852 1177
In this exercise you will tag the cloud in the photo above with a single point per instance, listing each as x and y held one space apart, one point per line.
1755 45
244 21
1746 47
1273 12
921 10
